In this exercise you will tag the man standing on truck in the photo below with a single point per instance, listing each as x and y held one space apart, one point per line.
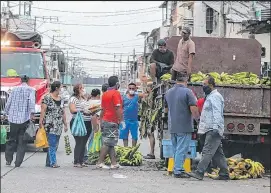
212 126
185 54
160 55
20 108
181 104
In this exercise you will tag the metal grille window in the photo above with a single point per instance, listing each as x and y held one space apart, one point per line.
209 20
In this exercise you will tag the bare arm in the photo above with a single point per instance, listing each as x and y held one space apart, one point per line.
42 114
72 108
94 121
190 60
64 118
195 112
119 113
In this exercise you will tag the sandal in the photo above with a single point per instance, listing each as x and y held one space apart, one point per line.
149 156
55 166
77 166
102 166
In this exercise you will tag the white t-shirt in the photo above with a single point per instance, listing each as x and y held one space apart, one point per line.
94 103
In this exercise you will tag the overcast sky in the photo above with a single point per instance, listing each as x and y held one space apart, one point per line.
104 37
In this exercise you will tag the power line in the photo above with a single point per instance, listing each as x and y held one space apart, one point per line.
101 25
116 47
80 12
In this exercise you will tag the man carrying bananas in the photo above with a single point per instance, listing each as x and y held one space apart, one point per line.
130 113
212 126
185 54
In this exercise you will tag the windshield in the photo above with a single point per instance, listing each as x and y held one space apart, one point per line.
15 64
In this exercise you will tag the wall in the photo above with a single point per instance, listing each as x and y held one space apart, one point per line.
264 40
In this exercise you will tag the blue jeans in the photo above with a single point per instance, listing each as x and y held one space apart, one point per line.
180 144
53 141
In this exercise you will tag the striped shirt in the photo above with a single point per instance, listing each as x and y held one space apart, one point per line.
20 104
81 105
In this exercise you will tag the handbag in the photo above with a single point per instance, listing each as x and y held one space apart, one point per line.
41 139
78 126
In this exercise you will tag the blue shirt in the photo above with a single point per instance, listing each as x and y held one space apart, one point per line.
212 114
20 104
178 100
130 108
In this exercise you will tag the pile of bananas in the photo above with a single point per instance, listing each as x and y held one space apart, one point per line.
126 156
67 145
241 78
166 77
241 169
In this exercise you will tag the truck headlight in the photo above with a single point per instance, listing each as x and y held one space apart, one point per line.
37 108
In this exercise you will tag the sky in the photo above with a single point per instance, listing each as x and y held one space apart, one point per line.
100 29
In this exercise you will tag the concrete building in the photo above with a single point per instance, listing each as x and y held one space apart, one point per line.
224 19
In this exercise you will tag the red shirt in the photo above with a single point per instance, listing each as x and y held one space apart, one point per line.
110 100
200 104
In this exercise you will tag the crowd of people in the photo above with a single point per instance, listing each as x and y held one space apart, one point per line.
119 115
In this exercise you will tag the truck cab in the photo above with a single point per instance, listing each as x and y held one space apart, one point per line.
20 57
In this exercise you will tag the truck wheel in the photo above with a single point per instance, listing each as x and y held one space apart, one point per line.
45 149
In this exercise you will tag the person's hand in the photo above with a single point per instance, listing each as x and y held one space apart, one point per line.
32 117
41 124
65 128
123 125
4 117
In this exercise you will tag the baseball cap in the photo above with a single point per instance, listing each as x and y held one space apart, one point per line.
24 78
186 30
161 42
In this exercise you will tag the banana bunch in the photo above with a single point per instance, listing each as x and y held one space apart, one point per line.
166 77
67 145
241 169
241 78
126 156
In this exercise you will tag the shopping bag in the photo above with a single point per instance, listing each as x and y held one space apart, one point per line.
78 126
41 139
3 137
30 131
96 142
67 145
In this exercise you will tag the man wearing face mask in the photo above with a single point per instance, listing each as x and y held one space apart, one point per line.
160 55
212 127
185 54
130 106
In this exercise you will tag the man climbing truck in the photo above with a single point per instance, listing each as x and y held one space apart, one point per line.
235 64
21 55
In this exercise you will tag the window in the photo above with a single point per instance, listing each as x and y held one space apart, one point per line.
209 20
263 52
22 63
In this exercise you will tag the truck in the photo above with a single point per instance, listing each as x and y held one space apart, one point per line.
21 54
247 107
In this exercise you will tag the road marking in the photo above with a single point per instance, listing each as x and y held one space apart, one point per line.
22 162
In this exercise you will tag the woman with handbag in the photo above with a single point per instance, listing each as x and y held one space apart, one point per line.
52 119
78 103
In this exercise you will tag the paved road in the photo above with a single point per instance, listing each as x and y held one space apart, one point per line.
33 177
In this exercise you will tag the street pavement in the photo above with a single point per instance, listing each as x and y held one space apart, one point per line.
34 177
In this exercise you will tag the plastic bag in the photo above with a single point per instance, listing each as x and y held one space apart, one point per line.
96 144
78 126
30 131
3 135
41 139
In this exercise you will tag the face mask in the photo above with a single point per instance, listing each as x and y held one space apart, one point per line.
131 92
207 90
62 90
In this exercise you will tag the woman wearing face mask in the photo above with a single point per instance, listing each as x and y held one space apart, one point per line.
77 104
52 118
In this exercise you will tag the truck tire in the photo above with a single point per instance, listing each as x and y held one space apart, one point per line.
45 149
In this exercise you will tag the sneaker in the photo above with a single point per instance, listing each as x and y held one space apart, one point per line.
8 163
196 175
222 178
102 166
117 166
181 175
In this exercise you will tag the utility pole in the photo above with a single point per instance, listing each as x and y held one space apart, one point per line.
44 19
127 71
8 15
134 71
120 68
114 67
